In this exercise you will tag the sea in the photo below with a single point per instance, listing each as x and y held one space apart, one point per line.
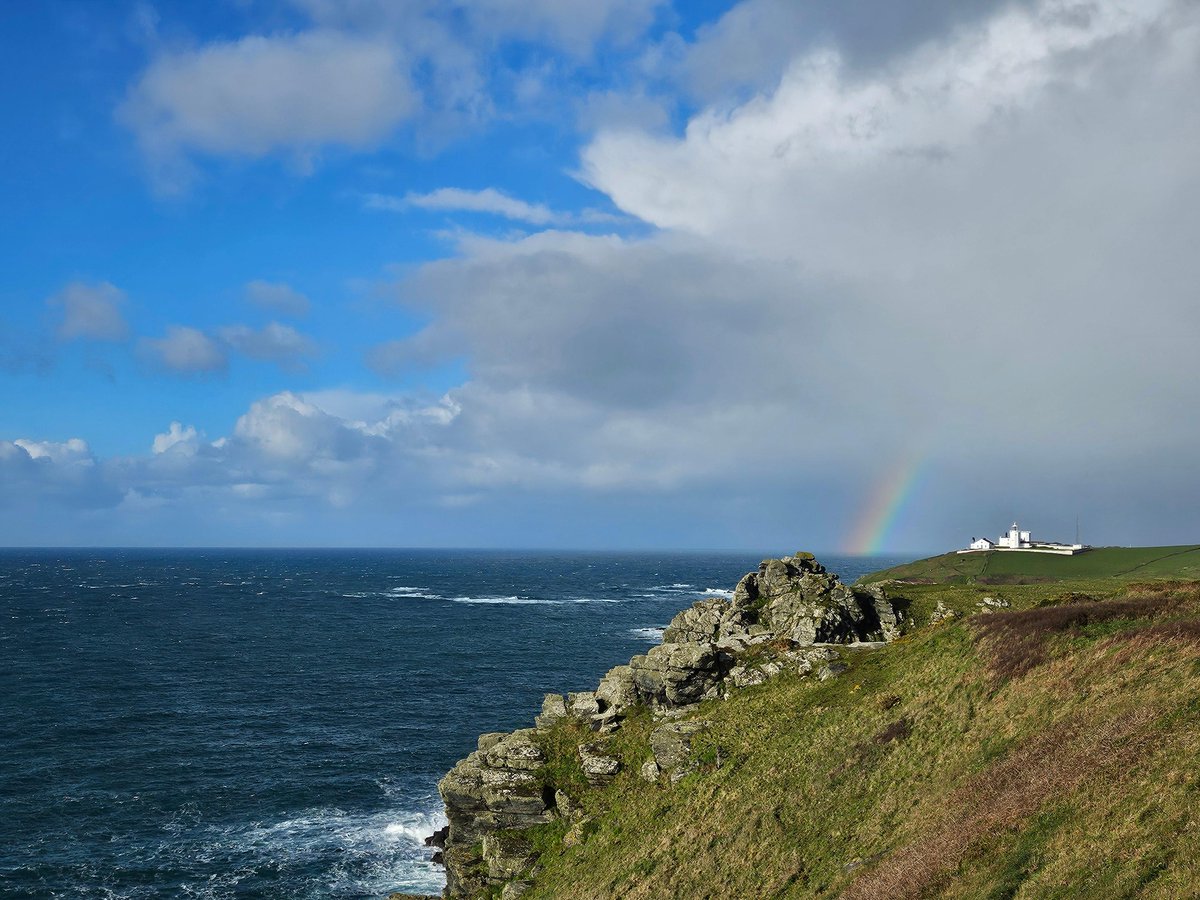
244 724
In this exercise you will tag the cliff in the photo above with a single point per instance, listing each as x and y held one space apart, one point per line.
813 739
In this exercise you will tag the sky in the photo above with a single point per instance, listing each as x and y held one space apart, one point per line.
870 277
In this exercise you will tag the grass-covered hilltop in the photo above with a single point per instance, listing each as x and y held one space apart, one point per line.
987 725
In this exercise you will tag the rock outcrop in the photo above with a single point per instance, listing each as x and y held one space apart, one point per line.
789 616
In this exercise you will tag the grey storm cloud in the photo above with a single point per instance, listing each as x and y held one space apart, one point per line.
977 257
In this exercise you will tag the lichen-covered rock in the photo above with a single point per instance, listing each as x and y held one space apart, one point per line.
599 765
496 787
583 704
554 707
517 750
886 613
650 771
674 675
671 744
618 690
700 622
507 854
941 613
515 889
568 808
489 740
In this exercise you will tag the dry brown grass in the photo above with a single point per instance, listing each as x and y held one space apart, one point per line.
1018 641
1049 766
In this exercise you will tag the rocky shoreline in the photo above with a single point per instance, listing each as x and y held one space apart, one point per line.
789 616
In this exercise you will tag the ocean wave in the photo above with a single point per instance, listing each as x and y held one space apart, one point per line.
717 592
415 593
360 854
533 601
651 633
399 593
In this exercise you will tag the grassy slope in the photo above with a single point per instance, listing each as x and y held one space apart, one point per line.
1024 754
1001 566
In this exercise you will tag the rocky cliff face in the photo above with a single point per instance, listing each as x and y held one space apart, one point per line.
787 616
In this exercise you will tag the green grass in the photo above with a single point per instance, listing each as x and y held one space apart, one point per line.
925 770
1001 567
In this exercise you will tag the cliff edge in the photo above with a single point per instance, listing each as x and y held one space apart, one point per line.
810 739
790 616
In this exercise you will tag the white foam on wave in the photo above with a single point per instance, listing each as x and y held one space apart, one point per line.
504 601
397 593
533 601
651 633
717 592
415 593
358 854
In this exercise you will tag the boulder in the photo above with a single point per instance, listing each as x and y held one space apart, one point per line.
671 744
650 771
517 750
600 767
700 622
618 690
554 707
675 675
583 704
941 613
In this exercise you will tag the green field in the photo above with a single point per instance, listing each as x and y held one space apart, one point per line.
1000 567
1045 751
1034 734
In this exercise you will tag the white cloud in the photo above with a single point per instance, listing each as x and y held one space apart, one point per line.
281 298
91 312
265 94
362 70
490 202
185 351
274 342
574 26
979 254
177 438
824 135
74 450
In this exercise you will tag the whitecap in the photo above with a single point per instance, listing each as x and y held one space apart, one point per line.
413 592
514 601
376 853
717 592
652 633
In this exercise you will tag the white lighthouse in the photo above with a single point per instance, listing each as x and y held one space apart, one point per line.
1016 539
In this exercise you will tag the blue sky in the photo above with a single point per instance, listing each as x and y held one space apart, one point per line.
623 273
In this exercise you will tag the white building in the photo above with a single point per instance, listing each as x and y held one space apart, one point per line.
1016 539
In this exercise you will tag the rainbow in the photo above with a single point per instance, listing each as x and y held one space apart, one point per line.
884 505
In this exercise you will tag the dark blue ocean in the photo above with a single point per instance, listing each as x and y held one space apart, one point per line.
273 723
